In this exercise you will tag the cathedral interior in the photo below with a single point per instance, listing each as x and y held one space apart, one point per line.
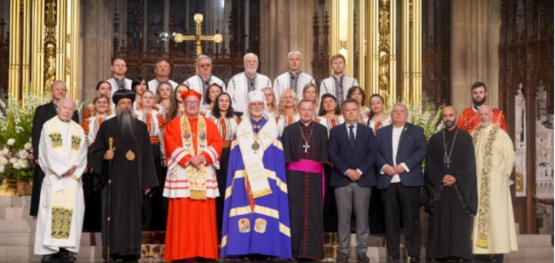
427 53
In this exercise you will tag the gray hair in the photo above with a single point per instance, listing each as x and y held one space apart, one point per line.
250 54
400 104
63 100
295 52
204 56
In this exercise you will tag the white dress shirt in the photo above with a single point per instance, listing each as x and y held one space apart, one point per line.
395 145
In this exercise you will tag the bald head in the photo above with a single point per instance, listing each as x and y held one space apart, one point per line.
485 113
65 109
449 117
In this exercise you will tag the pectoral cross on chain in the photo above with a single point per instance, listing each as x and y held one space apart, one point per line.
447 162
306 146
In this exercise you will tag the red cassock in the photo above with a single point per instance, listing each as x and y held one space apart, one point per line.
191 230
469 120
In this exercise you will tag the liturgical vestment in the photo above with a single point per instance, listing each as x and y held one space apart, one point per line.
131 173
494 225
191 231
306 150
256 213
451 208
62 205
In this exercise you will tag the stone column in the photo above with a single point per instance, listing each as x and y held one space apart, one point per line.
475 34
96 40
285 25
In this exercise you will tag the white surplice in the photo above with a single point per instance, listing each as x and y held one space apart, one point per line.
61 207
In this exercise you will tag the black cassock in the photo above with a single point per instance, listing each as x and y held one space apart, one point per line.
304 189
129 180
451 208
43 113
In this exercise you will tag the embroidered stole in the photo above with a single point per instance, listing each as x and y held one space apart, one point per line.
252 159
63 201
485 179
197 176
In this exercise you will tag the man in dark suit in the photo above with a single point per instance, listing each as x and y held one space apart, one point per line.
43 113
402 147
352 150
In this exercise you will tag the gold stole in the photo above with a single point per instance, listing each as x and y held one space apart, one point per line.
485 179
197 176
63 201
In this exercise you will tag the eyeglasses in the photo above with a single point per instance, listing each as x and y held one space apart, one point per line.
192 102
205 65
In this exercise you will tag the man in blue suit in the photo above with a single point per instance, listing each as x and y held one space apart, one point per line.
401 149
352 149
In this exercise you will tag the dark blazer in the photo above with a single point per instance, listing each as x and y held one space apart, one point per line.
411 151
343 157
43 113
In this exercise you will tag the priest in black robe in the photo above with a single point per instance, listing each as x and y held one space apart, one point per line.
43 113
305 147
130 166
452 191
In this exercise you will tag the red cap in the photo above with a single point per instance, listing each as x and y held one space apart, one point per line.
187 93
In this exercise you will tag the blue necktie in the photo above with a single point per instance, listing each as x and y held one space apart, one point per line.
352 136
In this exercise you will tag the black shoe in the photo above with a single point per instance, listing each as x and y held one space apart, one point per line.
362 257
49 258
342 257
497 258
393 258
65 256
415 259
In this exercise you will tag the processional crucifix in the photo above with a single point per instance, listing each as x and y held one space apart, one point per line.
198 37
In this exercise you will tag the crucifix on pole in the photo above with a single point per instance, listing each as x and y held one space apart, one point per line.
198 37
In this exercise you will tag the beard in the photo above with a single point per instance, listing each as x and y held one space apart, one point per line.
479 102
449 124
125 123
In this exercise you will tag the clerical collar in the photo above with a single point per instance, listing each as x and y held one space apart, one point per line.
305 124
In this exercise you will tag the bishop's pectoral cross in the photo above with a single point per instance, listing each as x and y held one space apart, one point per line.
198 36
306 147
447 162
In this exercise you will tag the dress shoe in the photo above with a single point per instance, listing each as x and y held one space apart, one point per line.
362 257
65 256
342 257
415 259
393 258
49 258
497 258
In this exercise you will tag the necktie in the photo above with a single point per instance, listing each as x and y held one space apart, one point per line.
352 136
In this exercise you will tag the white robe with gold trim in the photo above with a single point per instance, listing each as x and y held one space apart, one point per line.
501 233
61 207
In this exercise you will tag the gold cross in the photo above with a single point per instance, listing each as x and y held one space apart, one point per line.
198 37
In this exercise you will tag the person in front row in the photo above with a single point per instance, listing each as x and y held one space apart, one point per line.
402 147
352 150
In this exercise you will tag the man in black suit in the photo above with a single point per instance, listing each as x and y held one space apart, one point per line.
402 147
43 113
352 150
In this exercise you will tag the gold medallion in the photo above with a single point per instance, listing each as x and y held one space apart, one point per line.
130 155
255 146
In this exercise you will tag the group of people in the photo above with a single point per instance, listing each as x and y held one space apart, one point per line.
262 177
